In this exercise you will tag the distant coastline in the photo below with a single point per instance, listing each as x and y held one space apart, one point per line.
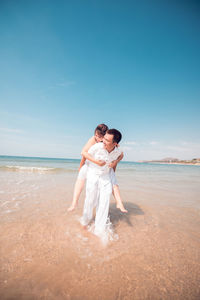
174 161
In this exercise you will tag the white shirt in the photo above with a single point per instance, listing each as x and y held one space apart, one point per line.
98 152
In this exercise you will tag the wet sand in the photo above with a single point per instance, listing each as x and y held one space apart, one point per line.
46 255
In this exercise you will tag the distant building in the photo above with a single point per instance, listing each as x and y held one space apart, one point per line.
170 159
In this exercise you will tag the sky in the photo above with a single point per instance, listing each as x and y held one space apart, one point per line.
67 66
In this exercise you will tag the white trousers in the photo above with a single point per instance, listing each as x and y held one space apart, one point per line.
98 192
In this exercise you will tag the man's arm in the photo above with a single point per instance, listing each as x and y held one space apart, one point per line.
114 163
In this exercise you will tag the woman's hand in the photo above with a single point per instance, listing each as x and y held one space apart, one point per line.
101 163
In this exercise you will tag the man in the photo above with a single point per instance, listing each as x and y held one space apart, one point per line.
99 186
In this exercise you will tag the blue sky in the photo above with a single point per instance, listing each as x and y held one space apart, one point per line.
66 66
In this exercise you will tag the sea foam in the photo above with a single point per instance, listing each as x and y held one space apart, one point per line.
106 236
28 169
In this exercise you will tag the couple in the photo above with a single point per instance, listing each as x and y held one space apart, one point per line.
102 158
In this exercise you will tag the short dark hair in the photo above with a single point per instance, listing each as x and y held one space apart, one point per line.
101 129
117 136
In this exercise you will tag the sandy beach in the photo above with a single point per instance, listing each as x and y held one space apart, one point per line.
153 253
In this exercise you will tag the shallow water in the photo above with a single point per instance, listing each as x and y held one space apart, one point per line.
154 252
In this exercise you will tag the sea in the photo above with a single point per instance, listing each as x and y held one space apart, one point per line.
182 181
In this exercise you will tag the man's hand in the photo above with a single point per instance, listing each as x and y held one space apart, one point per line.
101 163
113 164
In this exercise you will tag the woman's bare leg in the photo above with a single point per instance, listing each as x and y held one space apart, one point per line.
117 196
77 191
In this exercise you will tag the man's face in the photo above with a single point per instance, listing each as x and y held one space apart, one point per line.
108 141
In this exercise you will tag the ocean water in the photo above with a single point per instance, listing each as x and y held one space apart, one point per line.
175 184
37 164
178 180
153 251
57 165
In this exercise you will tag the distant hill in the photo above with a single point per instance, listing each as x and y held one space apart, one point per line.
171 160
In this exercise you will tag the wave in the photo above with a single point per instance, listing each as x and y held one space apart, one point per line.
41 170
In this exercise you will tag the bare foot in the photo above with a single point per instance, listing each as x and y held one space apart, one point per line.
71 208
122 208
84 227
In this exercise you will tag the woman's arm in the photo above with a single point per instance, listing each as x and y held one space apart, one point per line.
89 157
87 146
86 155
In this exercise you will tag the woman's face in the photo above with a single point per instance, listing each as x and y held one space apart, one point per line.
98 137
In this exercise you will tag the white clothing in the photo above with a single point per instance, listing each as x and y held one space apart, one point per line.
82 175
100 153
98 192
113 177
98 187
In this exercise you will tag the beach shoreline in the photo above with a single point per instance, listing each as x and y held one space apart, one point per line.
175 163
